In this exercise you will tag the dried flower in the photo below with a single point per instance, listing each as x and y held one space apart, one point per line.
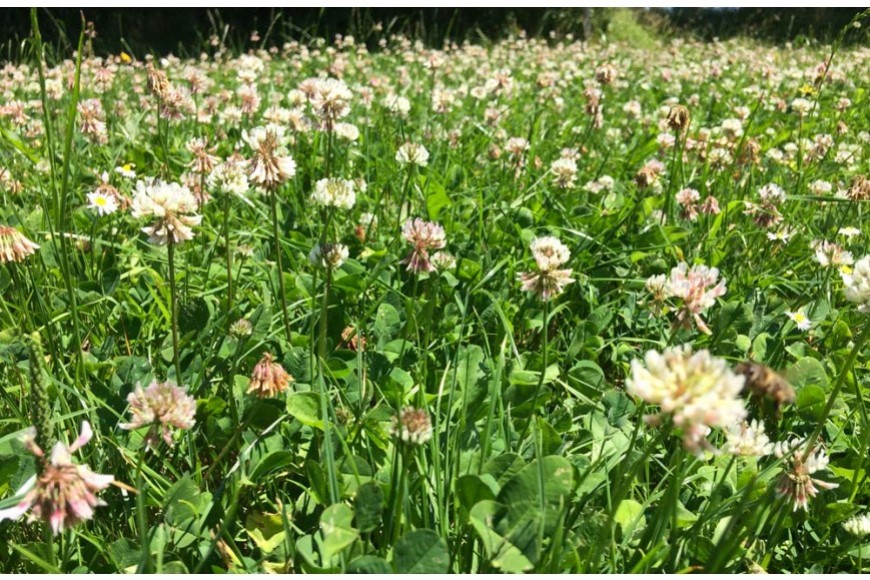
795 481
162 406
859 189
171 204
679 118
64 493
412 426
269 378
93 124
158 84
697 390
605 74
204 160
424 236
14 246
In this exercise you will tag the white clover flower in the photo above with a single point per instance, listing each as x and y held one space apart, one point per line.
172 206
330 100
270 164
697 288
549 252
412 426
229 177
801 106
857 284
697 390
858 525
162 406
772 193
821 187
831 254
347 131
795 482
412 154
330 256
334 192
398 105
564 172
747 439
443 261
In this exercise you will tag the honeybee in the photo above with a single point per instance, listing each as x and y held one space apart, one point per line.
765 384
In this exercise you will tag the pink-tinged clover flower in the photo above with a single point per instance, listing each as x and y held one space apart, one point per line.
163 406
64 493
697 288
424 236
796 482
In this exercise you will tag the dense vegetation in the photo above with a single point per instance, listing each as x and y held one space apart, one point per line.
508 308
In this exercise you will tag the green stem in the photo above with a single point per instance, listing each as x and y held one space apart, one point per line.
273 198
324 410
142 515
841 379
173 291
227 209
540 386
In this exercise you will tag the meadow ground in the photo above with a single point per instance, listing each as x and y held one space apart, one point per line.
531 306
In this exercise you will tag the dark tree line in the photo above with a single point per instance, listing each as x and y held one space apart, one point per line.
187 30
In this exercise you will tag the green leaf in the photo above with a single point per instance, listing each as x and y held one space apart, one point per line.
305 408
535 498
504 467
436 200
472 489
810 402
589 375
267 530
628 515
369 565
807 371
470 377
369 506
337 531
183 501
421 552
502 554
387 323
270 462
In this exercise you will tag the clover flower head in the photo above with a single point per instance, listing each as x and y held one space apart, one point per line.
64 493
